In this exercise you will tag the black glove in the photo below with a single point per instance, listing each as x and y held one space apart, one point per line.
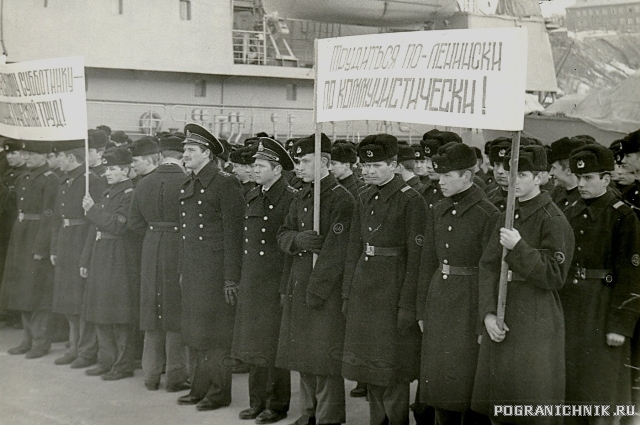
406 319
309 240
314 301
230 292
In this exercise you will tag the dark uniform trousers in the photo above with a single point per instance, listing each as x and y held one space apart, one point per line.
389 405
115 347
83 342
210 375
36 329
164 349
269 388
322 396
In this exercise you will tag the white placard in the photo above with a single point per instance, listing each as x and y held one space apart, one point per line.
460 78
43 100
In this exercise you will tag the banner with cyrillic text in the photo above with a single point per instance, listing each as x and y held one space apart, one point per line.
43 99
461 78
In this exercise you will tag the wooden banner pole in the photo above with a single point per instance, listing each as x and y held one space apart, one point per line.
511 205
317 151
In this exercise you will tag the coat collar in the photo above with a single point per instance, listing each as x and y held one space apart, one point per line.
348 181
119 187
276 190
597 207
40 170
386 191
472 196
327 183
72 175
207 174
526 209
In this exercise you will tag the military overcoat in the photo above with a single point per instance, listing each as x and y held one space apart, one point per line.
311 339
528 366
211 212
259 313
155 210
376 286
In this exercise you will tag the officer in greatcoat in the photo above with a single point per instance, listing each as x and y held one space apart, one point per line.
565 193
110 300
27 284
312 328
524 363
69 234
154 208
382 339
600 308
457 231
211 212
259 312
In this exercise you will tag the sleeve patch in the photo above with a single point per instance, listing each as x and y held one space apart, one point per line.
48 213
338 228
122 219
559 256
419 240
635 260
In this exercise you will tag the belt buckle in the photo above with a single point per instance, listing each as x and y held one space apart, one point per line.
98 235
20 217
446 269
581 273
65 222
370 250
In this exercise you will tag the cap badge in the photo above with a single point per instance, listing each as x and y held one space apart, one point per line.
580 164
427 149
502 153
104 160
416 154
435 165
188 134
6 148
369 154
260 147
635 260
299 150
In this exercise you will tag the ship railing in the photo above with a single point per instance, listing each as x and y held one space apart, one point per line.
249 47
133 118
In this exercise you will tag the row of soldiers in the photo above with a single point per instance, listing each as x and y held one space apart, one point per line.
399 284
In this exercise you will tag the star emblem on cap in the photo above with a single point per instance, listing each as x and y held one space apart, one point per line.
416 154
369 154
260 147
299 149
104 161
427 149
580 164
502 152
435 165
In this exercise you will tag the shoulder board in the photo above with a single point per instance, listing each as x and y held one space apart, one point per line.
411 193
129 190
48 173
224 173
336 187
618 204
291 189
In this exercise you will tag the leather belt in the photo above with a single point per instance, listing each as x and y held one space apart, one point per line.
457 271
163 226
393 251
28 217
66 222
105 235
582 273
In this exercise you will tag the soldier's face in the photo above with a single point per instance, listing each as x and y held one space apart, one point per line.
34 159
379 172
454 182
116 174
63 162
622 175
632 161
265 173
95 157
593 185
340 169
500 174
242 172
194 156
307 167
430 171
527 185
15 158
52 160
420 167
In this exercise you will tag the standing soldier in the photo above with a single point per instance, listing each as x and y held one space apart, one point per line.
111 289
600 308
70 229
431 193
27 285
145 157
497 155
382 339
242 160
458 229
97 143
525 363
565 193
155 208
259 311
211 211
343 156
406 162
312 329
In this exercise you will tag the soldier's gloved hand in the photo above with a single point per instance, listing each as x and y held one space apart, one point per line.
345 307
309 240
230 292
406 319
314 301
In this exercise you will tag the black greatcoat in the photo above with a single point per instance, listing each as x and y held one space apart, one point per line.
528 366
68 238
258 316
8 209
607 235
311 339
376 287
27 284
155 208
353 184
211 211
458 230
111 291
